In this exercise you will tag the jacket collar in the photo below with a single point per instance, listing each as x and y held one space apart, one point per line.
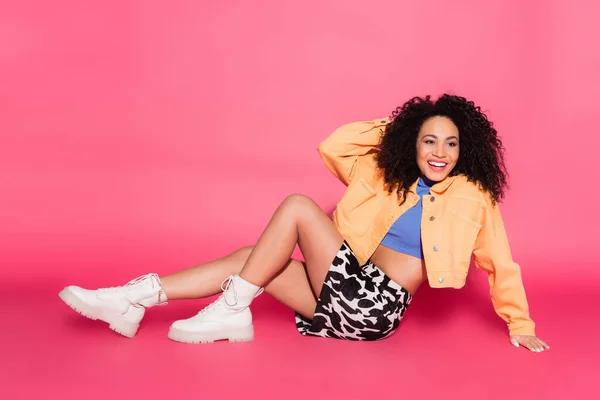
439 187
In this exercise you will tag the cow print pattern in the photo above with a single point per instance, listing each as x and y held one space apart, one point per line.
356 303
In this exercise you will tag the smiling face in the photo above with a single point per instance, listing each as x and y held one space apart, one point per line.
437 148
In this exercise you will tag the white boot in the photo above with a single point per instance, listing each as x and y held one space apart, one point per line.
122 307
226 318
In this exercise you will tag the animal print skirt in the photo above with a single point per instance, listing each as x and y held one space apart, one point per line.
356 302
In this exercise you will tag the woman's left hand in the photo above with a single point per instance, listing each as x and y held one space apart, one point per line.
530 342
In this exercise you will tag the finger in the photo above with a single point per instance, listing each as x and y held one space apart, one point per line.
515 342
534 348
529 344
544 344
541 345
528 347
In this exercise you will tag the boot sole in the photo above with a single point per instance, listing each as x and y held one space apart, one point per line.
245 334
115 321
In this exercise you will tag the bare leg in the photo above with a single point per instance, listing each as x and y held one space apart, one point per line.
298 220
204 280
291 286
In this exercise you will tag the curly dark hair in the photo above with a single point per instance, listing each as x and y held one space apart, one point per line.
481 151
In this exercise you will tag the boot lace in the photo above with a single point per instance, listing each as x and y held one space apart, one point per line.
231 285
226 285
154 280
225 290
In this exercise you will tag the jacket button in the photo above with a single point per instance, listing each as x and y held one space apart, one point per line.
432 218
441 279
435 248
432 199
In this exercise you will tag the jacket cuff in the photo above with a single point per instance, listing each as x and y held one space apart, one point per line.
526 328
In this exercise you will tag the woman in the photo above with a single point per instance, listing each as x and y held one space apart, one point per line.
421 198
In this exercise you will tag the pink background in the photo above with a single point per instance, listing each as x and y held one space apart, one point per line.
144 137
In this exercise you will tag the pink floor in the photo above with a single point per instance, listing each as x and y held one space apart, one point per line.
451 345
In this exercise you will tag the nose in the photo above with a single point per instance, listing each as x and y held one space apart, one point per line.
440 151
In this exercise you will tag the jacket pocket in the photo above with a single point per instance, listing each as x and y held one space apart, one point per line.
464 232
467 220
360 205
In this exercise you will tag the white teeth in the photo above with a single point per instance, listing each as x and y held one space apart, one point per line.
436 164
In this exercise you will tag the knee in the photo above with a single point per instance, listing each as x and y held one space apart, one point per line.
297 202
243 253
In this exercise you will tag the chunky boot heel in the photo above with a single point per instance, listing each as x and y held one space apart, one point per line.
242 335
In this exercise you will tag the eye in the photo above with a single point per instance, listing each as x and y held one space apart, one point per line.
428 141
452 144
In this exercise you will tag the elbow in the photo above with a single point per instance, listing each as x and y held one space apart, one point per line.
325 150
322 148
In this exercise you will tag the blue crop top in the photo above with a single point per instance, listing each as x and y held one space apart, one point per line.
405 235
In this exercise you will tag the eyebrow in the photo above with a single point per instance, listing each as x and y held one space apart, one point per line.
435 137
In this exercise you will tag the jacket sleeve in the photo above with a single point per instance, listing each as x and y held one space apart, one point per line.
341 150
492 254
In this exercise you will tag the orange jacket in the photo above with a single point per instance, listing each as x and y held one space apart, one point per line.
459 221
